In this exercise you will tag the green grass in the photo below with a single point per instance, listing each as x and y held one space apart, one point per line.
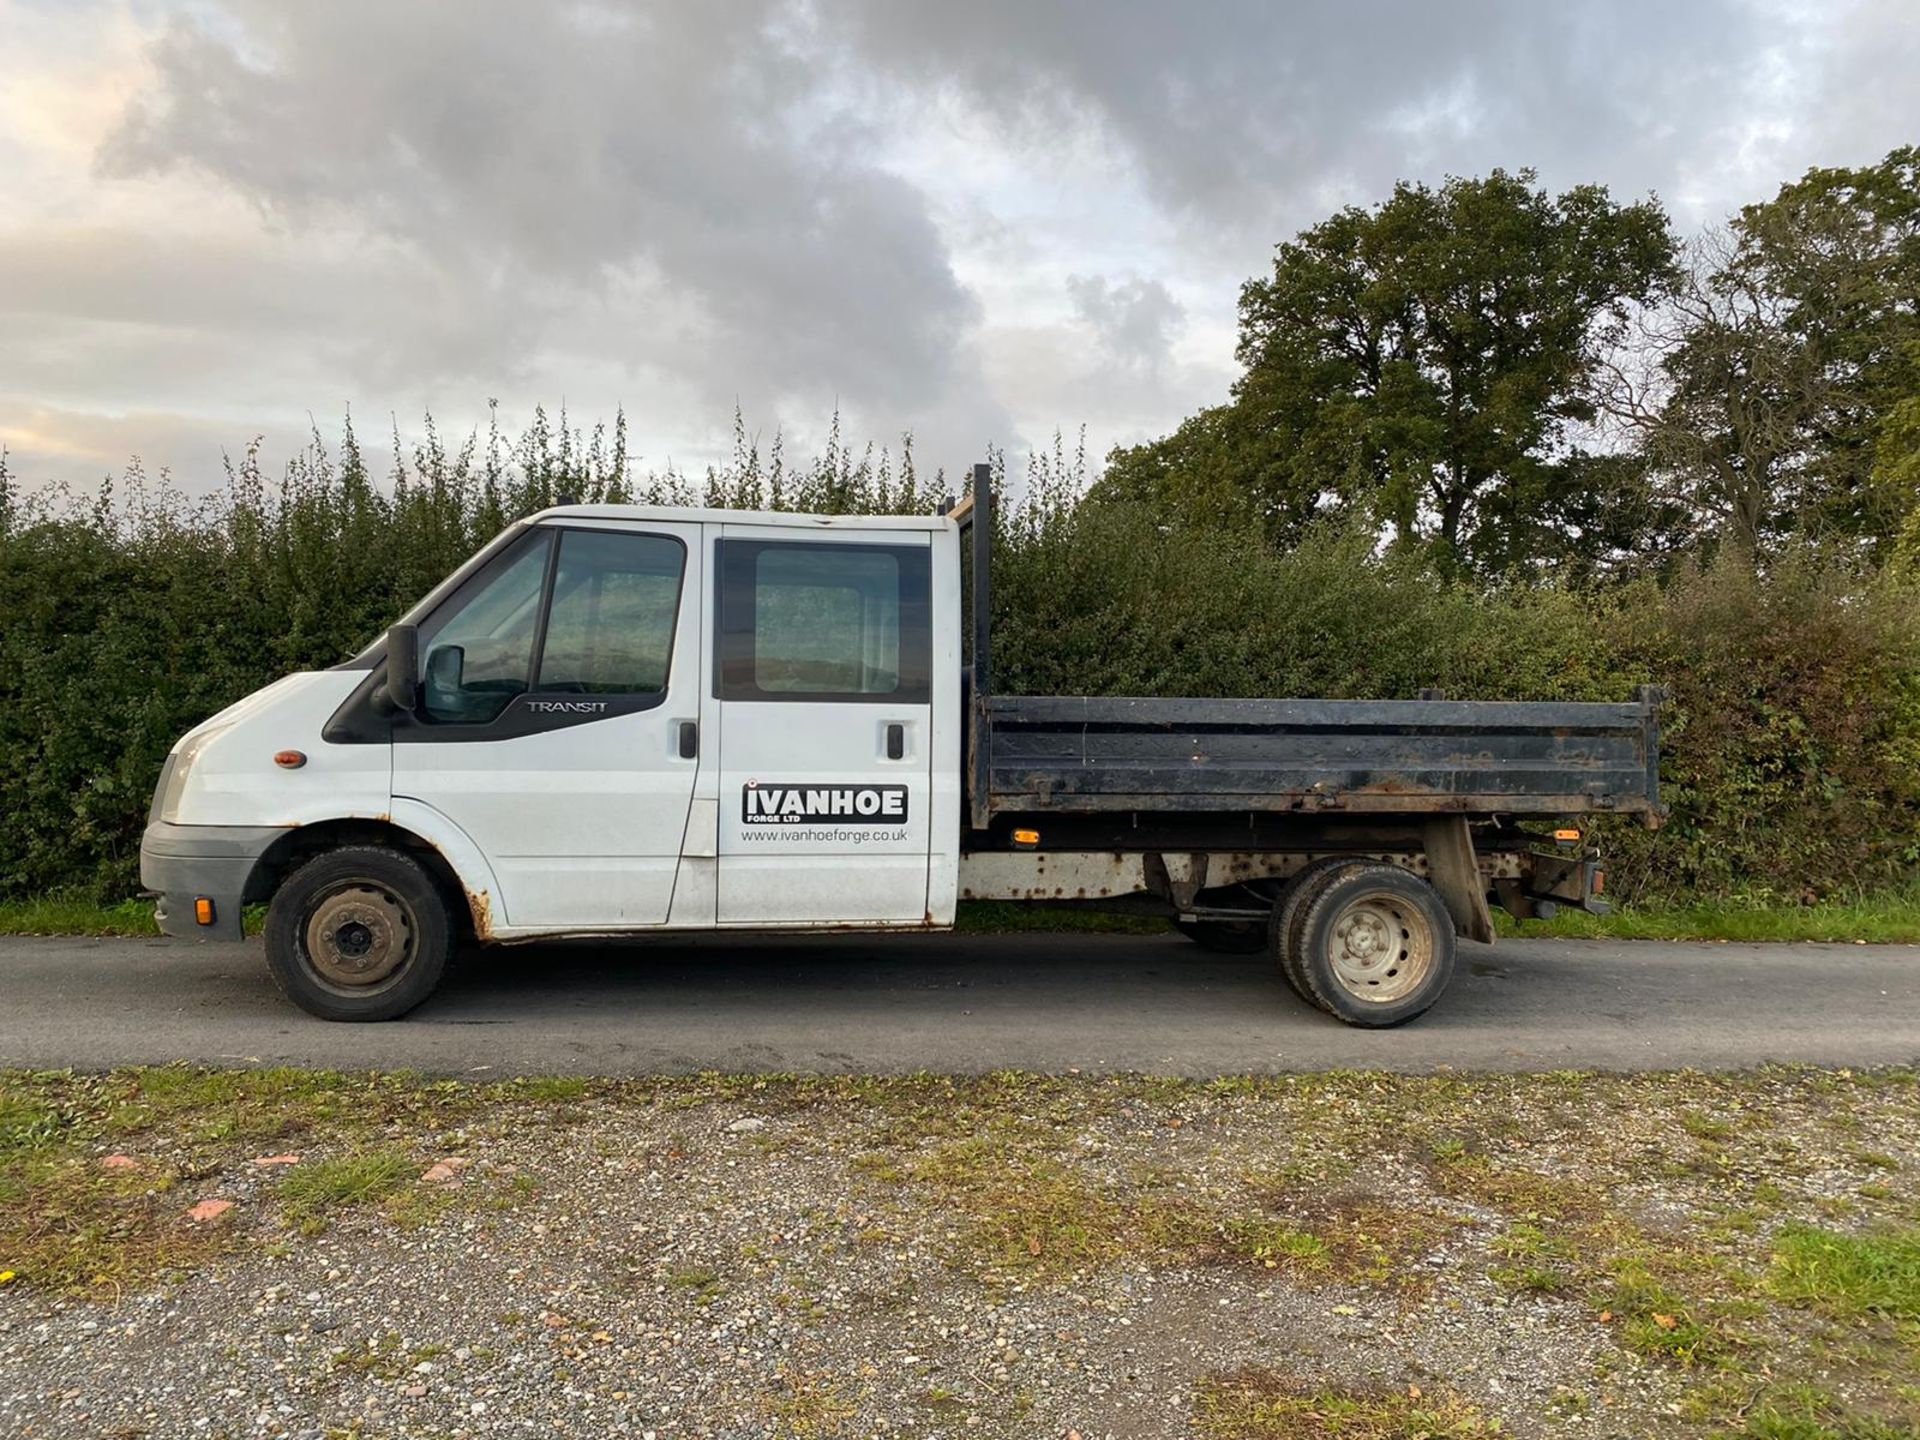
76 915
1849 1275
80 914
1791 1411
313 1191
1265 1405
1889 918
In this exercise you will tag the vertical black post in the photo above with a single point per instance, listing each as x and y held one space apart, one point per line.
982 578
980 741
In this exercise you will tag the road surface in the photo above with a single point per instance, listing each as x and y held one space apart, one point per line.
966 1004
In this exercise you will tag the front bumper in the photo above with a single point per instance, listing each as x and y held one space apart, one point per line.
186 863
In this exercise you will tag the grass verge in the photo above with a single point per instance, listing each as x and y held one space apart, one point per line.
76 915
1888 918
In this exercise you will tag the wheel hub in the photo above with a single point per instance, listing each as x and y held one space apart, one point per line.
1382 948
359 935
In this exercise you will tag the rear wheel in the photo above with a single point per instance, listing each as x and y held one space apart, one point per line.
1374 945
359 933
1283 934
1228 937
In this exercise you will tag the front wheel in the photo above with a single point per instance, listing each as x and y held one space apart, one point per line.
359 933
1374 947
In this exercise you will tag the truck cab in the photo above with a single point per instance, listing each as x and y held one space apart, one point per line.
616 720
624 718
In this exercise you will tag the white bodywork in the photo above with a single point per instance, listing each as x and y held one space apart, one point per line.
604 827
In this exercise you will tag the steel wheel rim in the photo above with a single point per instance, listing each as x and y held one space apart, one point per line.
359 935
1381 947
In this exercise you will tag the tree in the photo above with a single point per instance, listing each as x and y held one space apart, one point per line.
1427 362
1768 394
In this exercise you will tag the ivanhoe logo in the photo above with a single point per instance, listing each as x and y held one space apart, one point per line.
773 804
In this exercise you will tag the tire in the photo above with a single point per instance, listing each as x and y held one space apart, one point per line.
1284 928
1225 937
1375 946
358 933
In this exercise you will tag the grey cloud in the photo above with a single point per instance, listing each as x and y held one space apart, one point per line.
1134 320
1863 71
1249 115
544 157
677 206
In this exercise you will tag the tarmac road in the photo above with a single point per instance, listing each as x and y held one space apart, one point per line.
966 1004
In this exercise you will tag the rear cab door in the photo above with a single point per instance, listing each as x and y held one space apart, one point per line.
824 678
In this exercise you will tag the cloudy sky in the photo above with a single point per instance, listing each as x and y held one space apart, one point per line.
977 222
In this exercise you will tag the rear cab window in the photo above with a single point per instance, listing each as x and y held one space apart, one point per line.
804 620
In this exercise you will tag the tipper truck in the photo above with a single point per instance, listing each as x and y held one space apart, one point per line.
625 720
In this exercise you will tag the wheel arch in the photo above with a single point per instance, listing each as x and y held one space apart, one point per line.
468 885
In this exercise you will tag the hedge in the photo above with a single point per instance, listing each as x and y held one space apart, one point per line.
1792 738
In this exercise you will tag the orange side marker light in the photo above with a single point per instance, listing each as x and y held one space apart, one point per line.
290 759
203 911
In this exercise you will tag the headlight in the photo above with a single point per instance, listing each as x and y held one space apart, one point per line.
173 779
163 791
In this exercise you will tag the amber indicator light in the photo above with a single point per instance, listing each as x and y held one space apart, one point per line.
1567 837
1026 839
203 911
290 759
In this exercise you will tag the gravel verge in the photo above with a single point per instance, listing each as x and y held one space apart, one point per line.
739 1256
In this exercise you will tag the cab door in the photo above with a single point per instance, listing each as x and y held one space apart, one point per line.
558 724
823 676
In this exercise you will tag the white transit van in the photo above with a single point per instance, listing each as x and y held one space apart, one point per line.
621 720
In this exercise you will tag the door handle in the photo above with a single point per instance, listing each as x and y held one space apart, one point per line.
689 739
896 740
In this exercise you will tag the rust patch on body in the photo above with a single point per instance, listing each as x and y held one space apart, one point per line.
481 906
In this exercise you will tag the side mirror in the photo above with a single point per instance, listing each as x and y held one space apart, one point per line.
403 668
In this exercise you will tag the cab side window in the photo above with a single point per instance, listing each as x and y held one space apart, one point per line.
566 612
802 621
610 626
